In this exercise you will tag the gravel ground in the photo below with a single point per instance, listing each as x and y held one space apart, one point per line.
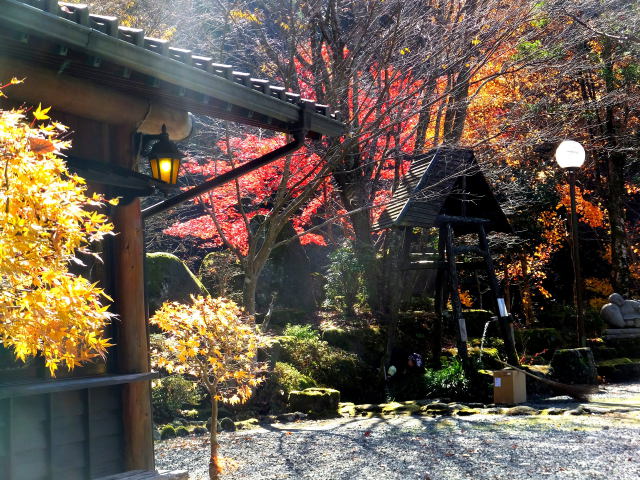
604 446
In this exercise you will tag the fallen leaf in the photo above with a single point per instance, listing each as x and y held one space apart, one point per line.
41 146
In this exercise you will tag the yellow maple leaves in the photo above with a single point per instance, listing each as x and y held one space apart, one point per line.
46 219
212 340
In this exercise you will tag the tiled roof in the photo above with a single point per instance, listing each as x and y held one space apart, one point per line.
433 186
124 58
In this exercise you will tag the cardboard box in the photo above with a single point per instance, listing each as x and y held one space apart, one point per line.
509 386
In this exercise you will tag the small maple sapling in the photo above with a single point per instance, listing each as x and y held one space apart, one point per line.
215 342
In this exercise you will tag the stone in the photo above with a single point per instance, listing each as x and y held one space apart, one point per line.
200 431
621 313
465 412
315 402
555 411
169 279
436 408
574 366
620 369
521 410
247 424
576 411
287 417
400 408
620 333
156 434
368 408
227 425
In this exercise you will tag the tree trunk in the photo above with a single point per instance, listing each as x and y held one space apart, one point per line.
249 291
214 464
621 279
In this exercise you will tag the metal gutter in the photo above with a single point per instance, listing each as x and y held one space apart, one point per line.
299 136
39 23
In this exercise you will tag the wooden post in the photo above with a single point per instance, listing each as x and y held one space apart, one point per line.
132 338
456 304
504 320
439 302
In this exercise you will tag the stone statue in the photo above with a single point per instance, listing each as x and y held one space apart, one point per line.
621 313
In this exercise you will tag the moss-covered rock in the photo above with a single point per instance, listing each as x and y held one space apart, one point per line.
436 408
247 424
521 410
619 369
401 408
624 347
574 366
466 412
168 431
169 279
316 402
182 432
227 425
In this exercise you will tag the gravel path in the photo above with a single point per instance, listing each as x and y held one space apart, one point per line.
423 448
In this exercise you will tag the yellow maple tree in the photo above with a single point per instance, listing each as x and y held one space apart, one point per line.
46 220
212 340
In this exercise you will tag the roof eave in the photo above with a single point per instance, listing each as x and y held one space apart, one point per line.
34 21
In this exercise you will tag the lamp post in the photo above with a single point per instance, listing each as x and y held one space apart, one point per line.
570 156
164 159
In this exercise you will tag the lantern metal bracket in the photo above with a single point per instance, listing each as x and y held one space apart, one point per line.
299 133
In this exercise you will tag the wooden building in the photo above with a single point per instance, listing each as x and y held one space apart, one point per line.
109 84
446 189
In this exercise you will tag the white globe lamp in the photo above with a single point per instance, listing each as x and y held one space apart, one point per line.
570 154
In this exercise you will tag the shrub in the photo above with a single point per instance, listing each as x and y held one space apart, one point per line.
167 432
172 393
448 381
182 432
538 342
331 367
345 286
301 332
271 396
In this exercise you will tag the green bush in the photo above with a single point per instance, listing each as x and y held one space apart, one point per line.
448 381
367 342
167 432
182 432
345 286
538 342
271 395
301 332
170 394
331 367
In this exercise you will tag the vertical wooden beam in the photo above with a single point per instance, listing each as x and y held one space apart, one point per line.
505 320
439 302
132 337
456 304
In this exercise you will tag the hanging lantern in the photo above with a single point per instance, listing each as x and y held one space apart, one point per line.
164 159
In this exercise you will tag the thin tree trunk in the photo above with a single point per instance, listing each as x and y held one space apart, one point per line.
249 291
214 463
621 278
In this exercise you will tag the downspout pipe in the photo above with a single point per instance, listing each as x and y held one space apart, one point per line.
298 141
